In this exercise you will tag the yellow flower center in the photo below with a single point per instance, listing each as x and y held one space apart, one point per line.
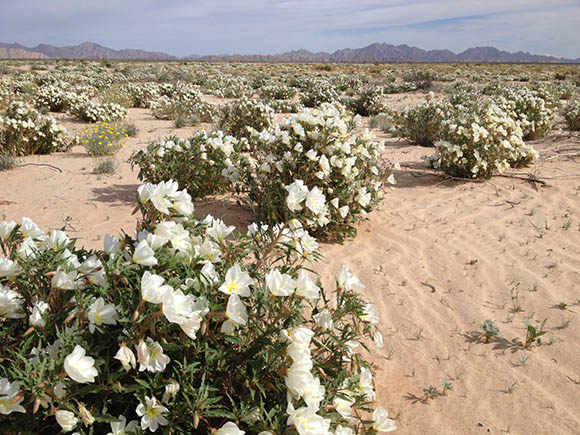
232 287
152 411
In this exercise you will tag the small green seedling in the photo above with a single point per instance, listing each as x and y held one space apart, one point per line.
490 331
430 392
534 334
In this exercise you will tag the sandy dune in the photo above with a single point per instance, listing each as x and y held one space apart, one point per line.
437 258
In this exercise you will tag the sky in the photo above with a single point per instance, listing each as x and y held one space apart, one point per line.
186 27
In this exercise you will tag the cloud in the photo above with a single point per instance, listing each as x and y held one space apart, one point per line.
184 27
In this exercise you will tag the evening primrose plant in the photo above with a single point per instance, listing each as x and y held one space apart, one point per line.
185 327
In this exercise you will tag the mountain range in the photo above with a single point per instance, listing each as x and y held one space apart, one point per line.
378 52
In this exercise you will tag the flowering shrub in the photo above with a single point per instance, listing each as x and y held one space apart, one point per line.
480 141
314 169
182 101
239 117
23 131
103 138
94 112
369 102
202 164
56 98
144 94
277 92
572 115
181 329
532 109
285 106
318 92
421 124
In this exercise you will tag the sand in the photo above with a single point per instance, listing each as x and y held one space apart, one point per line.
438 258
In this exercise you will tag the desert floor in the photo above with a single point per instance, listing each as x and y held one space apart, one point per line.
438 258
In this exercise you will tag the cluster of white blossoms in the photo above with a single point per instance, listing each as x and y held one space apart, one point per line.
331 175
184 303
95 112
571 114
23 130
181 99
480 144
240 117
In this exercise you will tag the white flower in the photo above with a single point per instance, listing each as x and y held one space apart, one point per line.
171 390
66 420
219 230
80 367
65 280
316 201
363 197
144 255
391 179
122 428
57 239
8 268
185 310
236 310
101 313
29 229
10 397
151 357
307 422
297 193
347 281
324 320
6 228
111 245
236 282
152 288
371 314
230 429
280 284
343 211
365 384
10 303
341 430
305 287
381 421
152 414
37 316
344 405
126 357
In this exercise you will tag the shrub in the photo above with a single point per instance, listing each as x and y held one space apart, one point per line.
185 102
7 162
182 329
333 175
239 116
103 138
118 94
369 102
481 141
532 109
94 112
572 115
23 131
143 94
105 165
277 92
421 79
284 106
422 124
199 164
318 92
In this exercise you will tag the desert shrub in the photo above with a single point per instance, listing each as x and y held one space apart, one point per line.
200 164
105 165
318 92
94 112
421 124
369 102
7 161
103 138
24 130
239 116
284 106
143 94
480 141
531 108
186 328
118 94
333 176
130 129
384 122
397 89
277 92
571 114
182 101
421 79
51 97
